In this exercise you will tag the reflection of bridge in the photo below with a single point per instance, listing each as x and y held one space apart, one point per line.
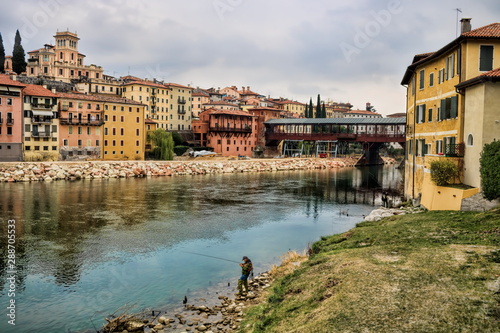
324 136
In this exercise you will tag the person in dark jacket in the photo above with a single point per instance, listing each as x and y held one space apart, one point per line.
246 269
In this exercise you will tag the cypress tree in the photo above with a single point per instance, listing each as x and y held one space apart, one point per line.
2 55
323 111
318 108
18 56
311 115
306 112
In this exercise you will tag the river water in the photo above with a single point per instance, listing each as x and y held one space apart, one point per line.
84 249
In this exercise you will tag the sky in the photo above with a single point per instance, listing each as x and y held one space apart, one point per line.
352 51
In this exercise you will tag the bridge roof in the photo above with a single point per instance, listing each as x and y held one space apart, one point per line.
338 121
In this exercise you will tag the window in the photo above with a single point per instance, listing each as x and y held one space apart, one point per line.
422 79
9 101
79 130
431 80
420 113
449 108
486 58
450 67
429 115
470 140
70 130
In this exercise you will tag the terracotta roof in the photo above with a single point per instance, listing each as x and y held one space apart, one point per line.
149 121
177 85
5 80
98 98
491 76
220 103
363 112
145 83
36 90
265 108
488 31
230 112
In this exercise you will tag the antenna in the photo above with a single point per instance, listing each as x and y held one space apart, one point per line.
456 23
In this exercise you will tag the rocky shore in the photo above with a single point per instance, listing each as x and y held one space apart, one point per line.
225 316
51 171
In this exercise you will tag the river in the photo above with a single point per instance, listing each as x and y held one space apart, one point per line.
83 249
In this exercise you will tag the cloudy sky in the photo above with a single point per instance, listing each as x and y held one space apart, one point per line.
348 51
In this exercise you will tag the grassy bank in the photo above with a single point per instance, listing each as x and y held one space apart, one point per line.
428 272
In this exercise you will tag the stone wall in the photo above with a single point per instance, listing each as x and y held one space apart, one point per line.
477 203
49 171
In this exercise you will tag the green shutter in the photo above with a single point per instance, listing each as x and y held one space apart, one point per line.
486 58
442 110
454 107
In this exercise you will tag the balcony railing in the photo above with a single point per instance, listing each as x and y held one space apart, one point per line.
1 120
41 120
181 101
42 106
72 121
37 134
10 121
246 129
454 150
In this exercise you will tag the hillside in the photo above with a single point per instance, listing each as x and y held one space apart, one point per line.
427 272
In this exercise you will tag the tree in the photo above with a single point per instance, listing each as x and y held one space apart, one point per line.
2 55
163 144
178 141
323 111
488 169
311 115
318 108
18 56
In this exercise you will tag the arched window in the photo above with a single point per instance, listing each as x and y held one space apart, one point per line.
470 140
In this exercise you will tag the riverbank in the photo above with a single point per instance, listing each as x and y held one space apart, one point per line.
427 272
71 171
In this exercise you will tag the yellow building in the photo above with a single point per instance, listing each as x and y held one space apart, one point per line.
156 98
436 111
124 129
180 112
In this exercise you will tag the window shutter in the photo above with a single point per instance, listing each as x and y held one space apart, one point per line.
454 107
423 113
442 111
486 58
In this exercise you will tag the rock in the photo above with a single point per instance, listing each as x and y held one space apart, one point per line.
134 326
202 328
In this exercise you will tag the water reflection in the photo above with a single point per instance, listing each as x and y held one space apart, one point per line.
68 233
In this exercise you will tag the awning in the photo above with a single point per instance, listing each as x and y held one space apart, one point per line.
43 113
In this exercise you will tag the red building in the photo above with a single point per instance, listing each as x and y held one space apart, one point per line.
228 132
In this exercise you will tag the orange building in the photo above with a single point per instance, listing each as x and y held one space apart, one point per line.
11 119
228 132
262 115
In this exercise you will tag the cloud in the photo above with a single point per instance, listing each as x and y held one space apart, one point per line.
287 48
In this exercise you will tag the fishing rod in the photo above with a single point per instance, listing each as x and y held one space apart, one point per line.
206 255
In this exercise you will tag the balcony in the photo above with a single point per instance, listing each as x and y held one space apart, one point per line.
454 150
181 100
10 121
41 120
42 106
245 129
1 120
85 122
38 134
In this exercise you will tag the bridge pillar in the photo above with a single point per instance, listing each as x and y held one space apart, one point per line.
371 154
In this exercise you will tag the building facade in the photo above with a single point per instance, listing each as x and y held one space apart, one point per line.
62 61
41 124
11 119
181 107
436 110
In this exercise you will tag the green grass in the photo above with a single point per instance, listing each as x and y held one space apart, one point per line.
427 272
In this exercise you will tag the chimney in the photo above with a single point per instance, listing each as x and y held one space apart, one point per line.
466 27
243 88
248 88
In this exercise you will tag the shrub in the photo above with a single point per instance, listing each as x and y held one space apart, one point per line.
488 169
443 171
179 150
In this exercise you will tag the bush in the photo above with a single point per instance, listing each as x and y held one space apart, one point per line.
488 169
442 172
179 150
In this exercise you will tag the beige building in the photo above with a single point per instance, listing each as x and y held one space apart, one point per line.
156 98
62 61
180 107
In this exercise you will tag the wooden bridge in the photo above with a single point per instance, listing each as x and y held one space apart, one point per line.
326 135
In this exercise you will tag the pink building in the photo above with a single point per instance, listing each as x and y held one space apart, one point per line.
228 132
11 119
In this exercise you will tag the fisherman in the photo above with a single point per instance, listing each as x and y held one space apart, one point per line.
246 269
